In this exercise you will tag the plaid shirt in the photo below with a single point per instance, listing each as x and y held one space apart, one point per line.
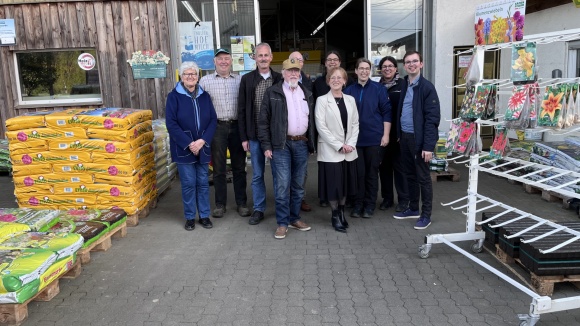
223 93
260 91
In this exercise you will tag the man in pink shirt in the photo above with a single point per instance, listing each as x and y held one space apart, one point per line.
286 133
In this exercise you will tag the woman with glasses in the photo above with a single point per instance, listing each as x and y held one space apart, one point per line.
321 87
191 122
390 164
337 125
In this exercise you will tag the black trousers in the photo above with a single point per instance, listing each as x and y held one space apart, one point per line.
391 170
368 162
227 136
417 174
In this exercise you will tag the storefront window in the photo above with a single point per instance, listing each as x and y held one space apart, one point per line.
236 18
396 27
58 77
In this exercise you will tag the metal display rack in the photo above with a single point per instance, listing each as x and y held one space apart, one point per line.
542 175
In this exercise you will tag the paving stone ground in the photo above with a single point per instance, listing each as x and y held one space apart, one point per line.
238 274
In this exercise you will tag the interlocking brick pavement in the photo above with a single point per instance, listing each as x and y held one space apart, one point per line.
238 274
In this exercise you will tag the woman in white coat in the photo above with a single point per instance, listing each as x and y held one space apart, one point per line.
337 125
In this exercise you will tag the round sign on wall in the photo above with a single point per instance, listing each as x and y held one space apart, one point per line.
86 61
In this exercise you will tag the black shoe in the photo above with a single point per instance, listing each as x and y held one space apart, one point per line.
323 203
243 210
256 218
368 213
219 211
206 223
335 221
190 225
356 212
386 204
341 216
401 207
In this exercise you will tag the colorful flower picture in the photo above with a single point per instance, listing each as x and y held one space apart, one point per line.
551 108
523 68
500 143
516 103
499 22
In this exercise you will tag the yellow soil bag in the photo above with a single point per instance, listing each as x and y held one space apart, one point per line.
37 189
53 178
121 135
46 134
122 158
50 201
105 118
98 145
50 157
27 120
145 175
31 169
32 146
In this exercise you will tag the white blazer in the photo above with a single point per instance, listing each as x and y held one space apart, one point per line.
330 131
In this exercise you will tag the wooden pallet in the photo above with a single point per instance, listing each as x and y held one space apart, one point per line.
548 196
102 244
16 313
543 285
133 219
154 202
451 173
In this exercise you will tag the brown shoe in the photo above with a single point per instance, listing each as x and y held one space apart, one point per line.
305 207
300 226
281 232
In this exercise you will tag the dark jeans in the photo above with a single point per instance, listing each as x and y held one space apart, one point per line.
368 162
391 171
417 174
227 136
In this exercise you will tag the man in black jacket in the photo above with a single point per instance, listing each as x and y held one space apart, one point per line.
286 132
252 89
419 114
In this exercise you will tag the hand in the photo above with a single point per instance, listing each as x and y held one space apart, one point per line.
427 156
246 145
385 140
196 146
268 154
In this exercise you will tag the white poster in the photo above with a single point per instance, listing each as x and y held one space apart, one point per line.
7 32
196 43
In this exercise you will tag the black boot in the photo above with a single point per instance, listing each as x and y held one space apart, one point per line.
335 220
341 216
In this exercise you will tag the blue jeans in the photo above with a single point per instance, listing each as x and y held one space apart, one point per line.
258 184
227 135
194 189
289 170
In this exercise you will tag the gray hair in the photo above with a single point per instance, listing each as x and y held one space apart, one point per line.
263 44
188 65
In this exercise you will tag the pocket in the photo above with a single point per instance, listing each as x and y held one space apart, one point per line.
184 152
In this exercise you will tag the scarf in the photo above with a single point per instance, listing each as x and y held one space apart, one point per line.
390 84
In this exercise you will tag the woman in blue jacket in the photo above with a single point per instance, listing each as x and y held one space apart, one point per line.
191 122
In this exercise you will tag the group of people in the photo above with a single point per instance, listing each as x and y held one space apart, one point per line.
359 129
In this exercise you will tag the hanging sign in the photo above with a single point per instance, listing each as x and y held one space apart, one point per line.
149 64
500 22
196 43
7 32
243 48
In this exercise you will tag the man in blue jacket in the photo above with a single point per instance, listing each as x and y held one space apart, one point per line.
419 114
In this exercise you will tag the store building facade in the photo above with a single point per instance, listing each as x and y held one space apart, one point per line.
111 31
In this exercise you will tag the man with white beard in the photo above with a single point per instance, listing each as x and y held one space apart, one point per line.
286 134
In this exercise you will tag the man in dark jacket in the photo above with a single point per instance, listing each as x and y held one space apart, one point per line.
419 114
252 88
286 133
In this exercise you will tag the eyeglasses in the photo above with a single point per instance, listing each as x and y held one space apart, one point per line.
364 68
189 75
336 78
299 60
412 62
388 67
332 60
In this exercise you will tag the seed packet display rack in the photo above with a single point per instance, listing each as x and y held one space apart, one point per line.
540 304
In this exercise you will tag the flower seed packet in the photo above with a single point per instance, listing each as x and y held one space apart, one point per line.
523 67
516 103
500 143
551 107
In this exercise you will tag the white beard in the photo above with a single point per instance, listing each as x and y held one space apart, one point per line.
293 84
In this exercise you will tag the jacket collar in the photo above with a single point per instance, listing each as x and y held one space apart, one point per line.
181 90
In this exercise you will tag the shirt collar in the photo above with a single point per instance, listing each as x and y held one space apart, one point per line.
230 75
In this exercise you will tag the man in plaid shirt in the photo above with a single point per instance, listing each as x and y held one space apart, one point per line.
223 87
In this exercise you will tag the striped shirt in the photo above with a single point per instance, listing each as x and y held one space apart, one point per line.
224 94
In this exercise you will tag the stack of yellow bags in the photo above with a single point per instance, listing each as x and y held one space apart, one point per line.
83 158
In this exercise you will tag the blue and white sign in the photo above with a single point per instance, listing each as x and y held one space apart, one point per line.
7 32
196 44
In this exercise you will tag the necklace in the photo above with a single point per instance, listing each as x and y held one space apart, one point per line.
337 99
